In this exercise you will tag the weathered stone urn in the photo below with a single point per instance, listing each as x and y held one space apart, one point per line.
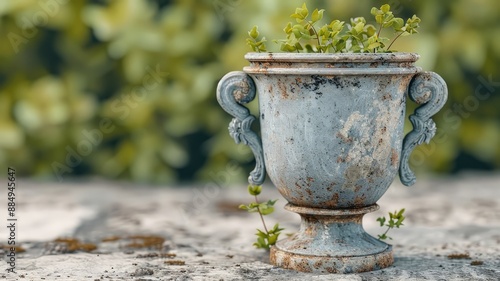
332 142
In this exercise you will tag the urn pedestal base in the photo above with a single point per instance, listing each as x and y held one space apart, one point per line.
331 241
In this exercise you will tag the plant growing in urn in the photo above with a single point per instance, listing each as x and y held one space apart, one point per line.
331 114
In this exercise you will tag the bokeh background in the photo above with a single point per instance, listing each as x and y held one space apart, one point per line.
125 89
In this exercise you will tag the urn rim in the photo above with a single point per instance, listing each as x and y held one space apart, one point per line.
332 63
332 57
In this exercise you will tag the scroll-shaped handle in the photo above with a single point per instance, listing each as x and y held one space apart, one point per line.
234 89
429 90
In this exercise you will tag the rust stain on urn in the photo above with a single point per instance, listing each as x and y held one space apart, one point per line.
310 180
335 199
387 96
264 66
303 266
238 96
241 93
331 270
424 98
385 261
282 89
285 191
344 138
331 186
286 261
309 231
333 202
394 157
297 185
403 84
308 190
359 201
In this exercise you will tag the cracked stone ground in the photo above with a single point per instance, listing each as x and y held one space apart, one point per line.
97 230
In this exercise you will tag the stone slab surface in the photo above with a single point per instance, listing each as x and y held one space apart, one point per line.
206 237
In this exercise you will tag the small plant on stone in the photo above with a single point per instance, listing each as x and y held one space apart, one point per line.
395 221
268 237
338 37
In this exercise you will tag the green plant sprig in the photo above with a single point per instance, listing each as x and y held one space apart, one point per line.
385 18
338 37
268 237
395 221
256 45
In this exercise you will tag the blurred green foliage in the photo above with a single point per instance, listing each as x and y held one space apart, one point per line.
126 88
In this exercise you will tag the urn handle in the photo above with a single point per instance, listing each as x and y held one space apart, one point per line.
235 89
429 90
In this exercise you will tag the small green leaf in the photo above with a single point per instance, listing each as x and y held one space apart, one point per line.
359 27
298 46
261 234
288 28
266 210
391 215
370 30
412 24
401 212
299 30
360 19
317 15
272 239
373 45
251 208
381 220
277 228
254 33
261 243
300 13
385 8
297 17
255 190
336 25
398 24
251 43
286 47
272 202
304 11
253 205
309 48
